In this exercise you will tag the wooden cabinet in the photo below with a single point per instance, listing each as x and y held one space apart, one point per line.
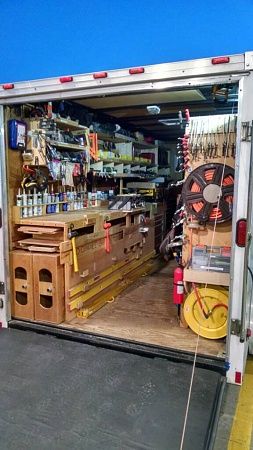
38 287
48 284
22 302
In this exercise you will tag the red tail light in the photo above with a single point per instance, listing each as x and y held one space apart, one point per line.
100 75
241 232
65 79
136 70
8 86
238 377
221 60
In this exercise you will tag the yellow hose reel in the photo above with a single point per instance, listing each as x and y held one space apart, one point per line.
206 312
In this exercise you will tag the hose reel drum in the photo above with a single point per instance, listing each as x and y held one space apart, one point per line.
208 193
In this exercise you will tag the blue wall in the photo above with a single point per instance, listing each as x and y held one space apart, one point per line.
60 37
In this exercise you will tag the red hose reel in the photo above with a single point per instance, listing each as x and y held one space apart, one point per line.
208 193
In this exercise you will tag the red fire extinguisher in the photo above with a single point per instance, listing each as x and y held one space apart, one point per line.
178 286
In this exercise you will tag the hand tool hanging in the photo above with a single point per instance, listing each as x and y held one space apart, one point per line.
72 235
107 226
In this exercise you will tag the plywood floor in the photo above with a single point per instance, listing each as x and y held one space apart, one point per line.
145 313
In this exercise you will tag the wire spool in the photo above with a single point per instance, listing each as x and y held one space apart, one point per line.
202 189
206 311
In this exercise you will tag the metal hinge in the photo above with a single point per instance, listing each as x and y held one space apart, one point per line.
2 288
246 131
235 327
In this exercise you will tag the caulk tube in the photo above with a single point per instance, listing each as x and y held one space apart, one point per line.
19 198
30 204
35 203
45 197
19 202
39 203
24 202
57 206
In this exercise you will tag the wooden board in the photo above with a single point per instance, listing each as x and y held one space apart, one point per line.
145 313
42 242
202 276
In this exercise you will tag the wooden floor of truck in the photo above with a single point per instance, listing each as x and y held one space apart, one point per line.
145 313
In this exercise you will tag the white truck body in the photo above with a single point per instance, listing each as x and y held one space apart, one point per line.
236 68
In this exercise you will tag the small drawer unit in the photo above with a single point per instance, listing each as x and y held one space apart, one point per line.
22 275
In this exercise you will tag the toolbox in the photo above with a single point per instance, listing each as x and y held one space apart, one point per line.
216 259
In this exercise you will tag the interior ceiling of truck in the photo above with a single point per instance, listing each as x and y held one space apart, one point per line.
130 110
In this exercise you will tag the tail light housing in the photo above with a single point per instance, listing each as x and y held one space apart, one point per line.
241 233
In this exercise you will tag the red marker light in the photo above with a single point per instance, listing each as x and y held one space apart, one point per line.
221 60
100 75
136 70
241 232
8 86
65 79
238 377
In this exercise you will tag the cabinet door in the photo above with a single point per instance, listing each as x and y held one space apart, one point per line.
22 275
48 285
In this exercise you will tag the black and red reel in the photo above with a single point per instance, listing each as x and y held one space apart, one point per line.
208 193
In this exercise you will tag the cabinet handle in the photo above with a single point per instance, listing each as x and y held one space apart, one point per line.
49 289
24 286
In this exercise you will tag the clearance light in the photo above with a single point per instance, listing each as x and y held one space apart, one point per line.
65 79
136 70
100 75
238 377
8 86
241 232
221 60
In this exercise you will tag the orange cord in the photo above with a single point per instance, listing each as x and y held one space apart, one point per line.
216 212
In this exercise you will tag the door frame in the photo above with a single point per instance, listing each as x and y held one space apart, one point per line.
5 313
